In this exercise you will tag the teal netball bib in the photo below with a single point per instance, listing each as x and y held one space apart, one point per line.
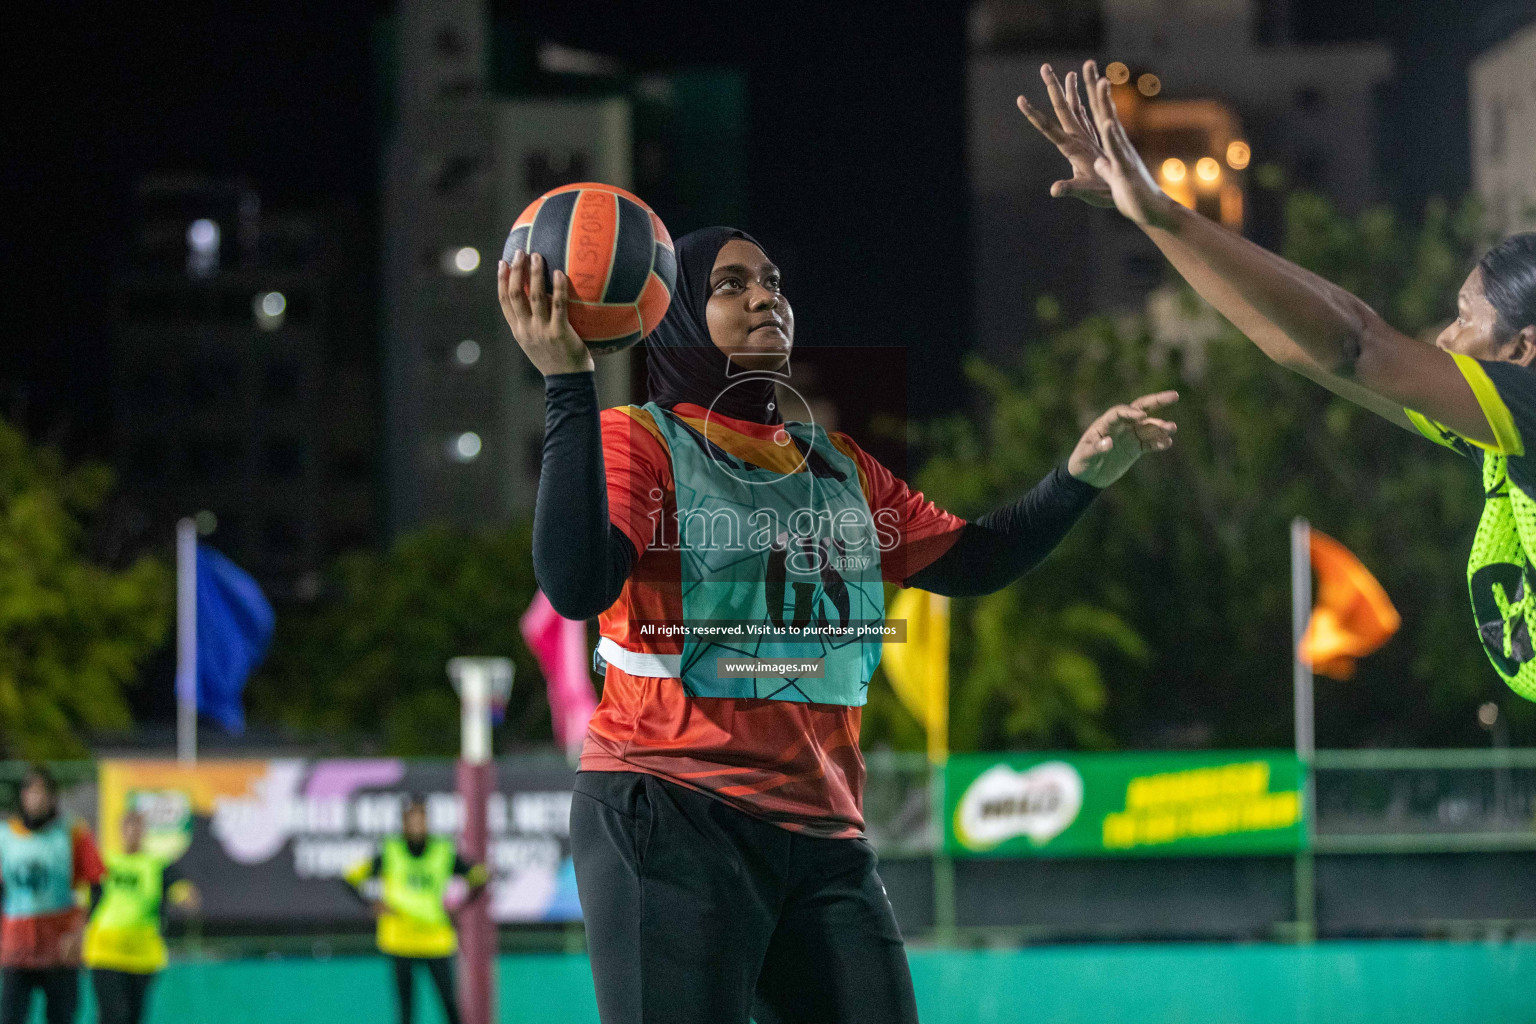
37 868
780 560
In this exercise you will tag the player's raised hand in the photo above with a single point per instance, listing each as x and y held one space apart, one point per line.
1119 437
1136 193
1073 135
537 317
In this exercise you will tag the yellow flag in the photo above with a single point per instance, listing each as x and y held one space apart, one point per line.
919 669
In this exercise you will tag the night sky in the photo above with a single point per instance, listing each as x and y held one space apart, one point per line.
856 147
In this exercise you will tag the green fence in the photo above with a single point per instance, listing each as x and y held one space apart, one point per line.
1326 983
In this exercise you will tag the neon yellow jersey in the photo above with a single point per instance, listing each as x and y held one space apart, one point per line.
416 922
1500 578
124 933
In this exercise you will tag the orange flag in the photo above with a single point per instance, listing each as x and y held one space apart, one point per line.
1352 615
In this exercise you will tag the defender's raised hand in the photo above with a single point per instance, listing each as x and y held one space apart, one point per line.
1113 443
1136 192
1073 135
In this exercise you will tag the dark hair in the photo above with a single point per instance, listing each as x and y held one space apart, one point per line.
1509 281
413 802
40 773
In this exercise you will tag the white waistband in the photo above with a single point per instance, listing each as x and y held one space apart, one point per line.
641 663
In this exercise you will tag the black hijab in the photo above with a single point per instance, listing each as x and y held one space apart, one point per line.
682 363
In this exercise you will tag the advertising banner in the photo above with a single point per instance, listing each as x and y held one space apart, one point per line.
268 841
1095 805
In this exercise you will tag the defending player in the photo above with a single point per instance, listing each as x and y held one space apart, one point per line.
1474 390
123 945
415 927
716 827
45 855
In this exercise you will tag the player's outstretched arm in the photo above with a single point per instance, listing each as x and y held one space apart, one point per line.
1004 544
1295 317
1113 442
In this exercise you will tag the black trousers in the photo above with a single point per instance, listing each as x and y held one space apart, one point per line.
697 913
120 996
60 987
441 970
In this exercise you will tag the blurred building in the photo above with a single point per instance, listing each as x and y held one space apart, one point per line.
1503 97
1215 95
240 384
464 408
484 117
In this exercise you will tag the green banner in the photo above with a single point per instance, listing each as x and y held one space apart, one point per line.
1094 805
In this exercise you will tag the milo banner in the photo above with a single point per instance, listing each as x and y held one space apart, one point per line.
1094 805
267 842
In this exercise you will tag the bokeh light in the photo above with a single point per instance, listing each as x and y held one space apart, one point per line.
203 236
461 261
1117 73
1174 169
1149 85
1238 154
1207 169
270 310
465 447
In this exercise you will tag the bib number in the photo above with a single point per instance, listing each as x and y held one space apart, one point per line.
1501 594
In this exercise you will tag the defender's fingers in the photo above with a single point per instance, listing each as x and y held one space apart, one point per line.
1096 93
1039 120
1075 101
1119 143
1070 87
1103 103
1155 401
1112 132
1058 98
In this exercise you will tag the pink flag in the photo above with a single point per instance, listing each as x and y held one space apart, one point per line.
560 644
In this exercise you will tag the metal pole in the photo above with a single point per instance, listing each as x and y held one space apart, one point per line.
186 641
944 916
1301 611
476 679
1306 745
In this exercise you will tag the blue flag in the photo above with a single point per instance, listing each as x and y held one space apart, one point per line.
234 627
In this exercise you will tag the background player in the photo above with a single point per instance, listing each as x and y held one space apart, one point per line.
45 856
123 945
415 927
717 828
1474 390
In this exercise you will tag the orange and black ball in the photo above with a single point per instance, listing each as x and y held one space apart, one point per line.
616 252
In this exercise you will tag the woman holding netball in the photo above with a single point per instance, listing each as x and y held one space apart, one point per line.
716 826
1473 390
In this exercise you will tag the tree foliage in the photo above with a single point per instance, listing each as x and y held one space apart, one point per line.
368 663
1164 618
73 633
